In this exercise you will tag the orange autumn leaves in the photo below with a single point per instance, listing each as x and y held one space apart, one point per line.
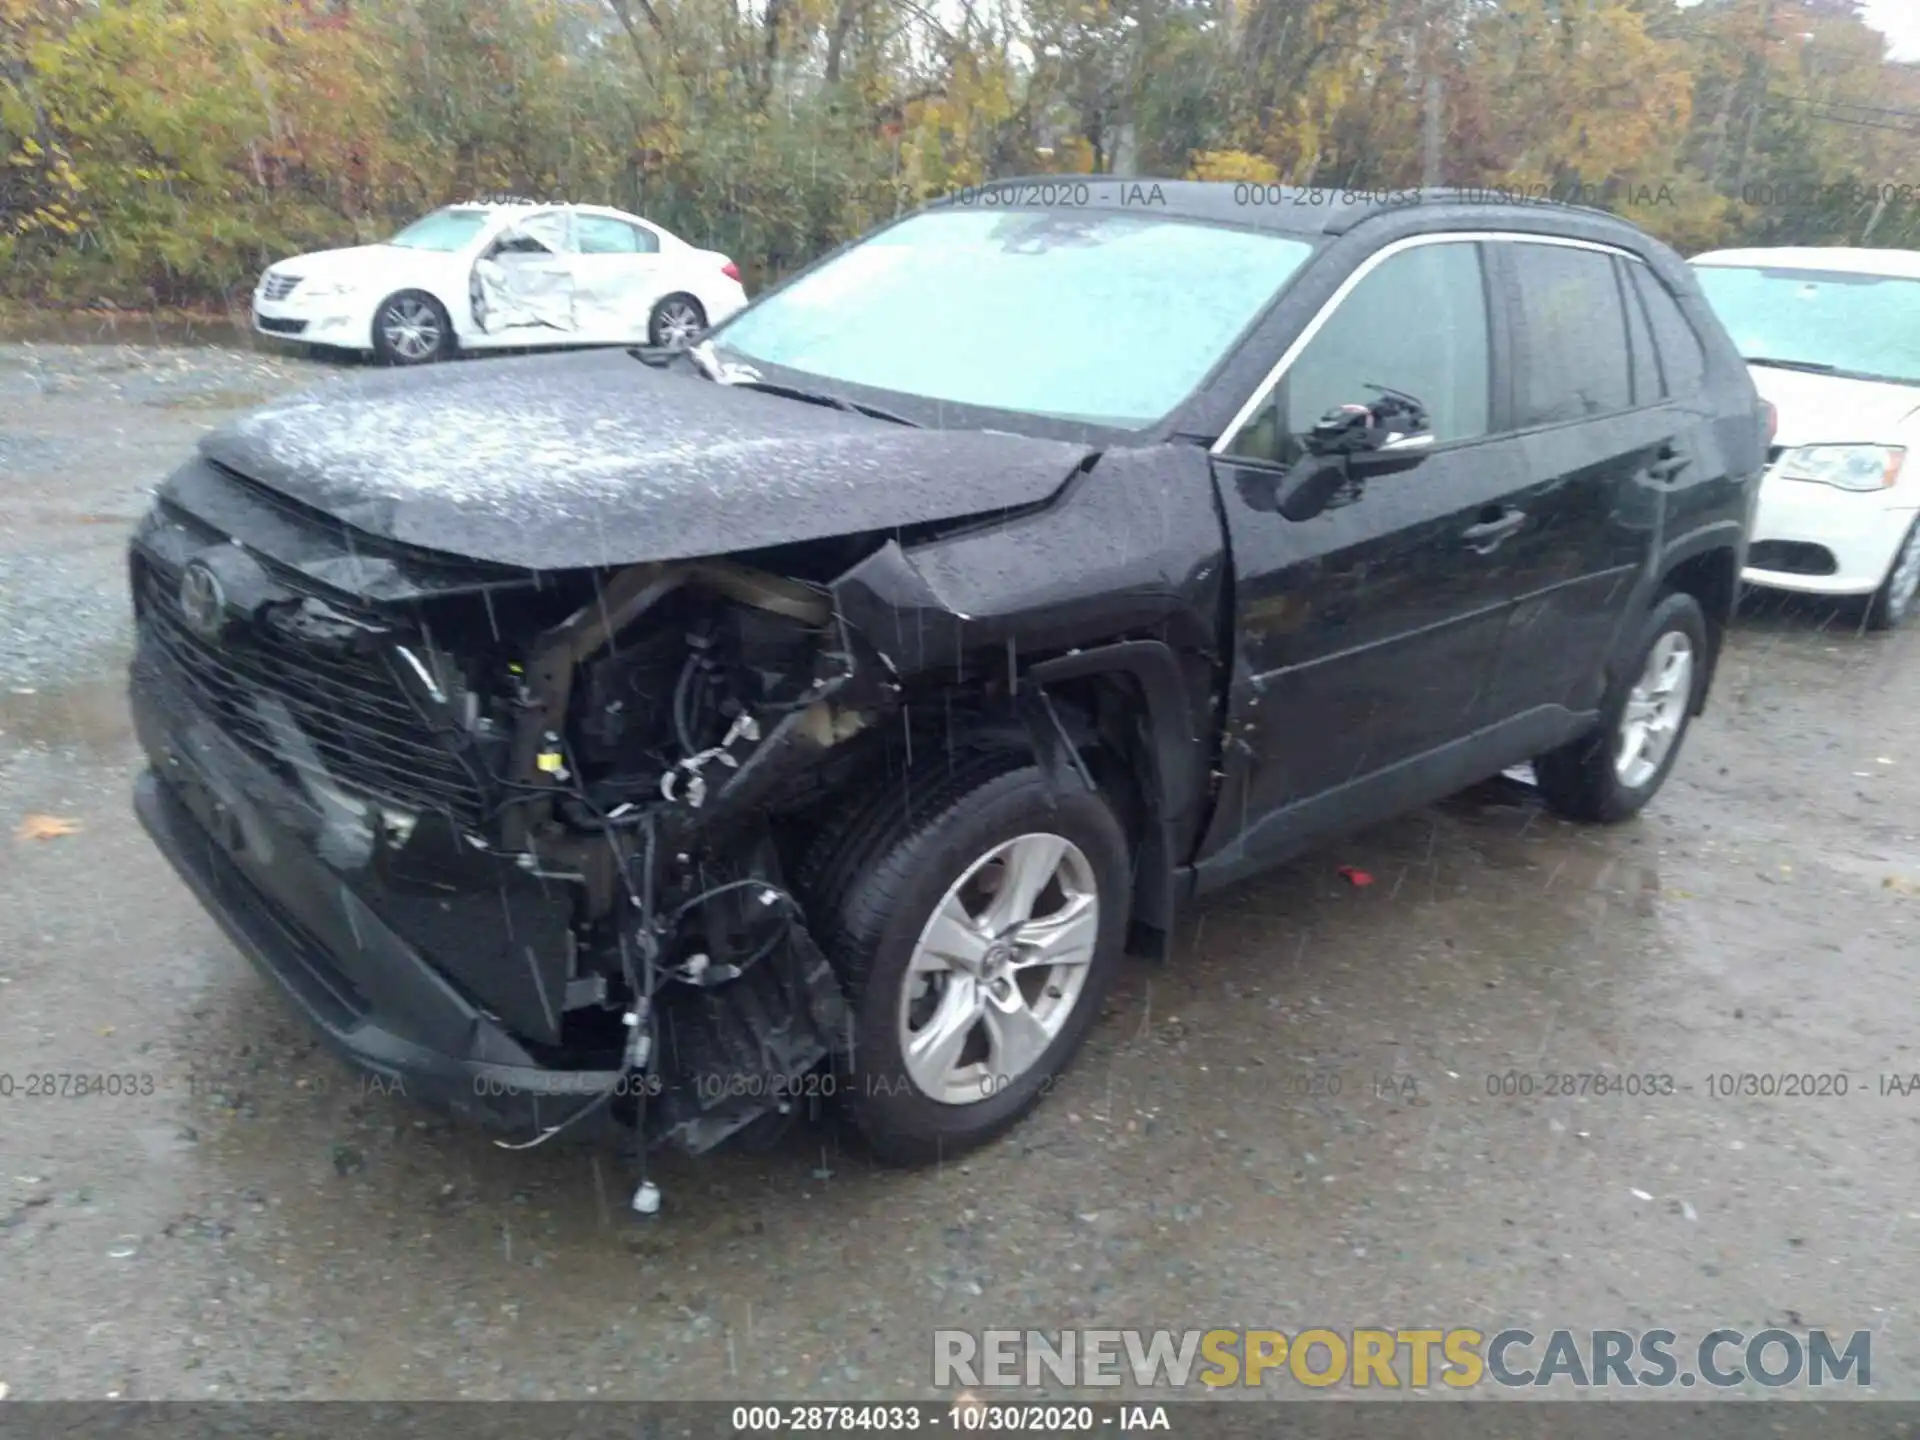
45 827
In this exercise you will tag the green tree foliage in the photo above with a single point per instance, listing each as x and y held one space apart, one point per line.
162 151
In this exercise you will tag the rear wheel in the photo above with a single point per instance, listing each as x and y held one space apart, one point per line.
977 922
1610 773
1893 601
677 321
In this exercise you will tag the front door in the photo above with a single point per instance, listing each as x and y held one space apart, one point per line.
1368 633
523 285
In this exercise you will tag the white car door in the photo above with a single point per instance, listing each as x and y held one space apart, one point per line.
618 272
524 285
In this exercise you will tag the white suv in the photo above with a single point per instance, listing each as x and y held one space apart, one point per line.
487 276
1832 337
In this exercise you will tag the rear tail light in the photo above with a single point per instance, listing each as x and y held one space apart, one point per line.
1773 421
730 270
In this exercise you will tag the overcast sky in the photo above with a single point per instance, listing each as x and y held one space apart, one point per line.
1900 21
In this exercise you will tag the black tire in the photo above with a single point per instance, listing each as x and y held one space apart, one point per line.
1889 609
871 882
1580 780
662 326
407 304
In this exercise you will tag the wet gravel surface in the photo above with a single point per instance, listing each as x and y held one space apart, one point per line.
85 431
253 1221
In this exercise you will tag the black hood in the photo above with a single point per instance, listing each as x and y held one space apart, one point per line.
593 458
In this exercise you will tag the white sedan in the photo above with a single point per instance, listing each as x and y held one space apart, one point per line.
1832 338
495 276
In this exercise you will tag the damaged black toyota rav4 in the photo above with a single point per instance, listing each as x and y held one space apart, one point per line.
641 741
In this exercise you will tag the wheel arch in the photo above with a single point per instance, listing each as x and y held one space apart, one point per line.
1709 571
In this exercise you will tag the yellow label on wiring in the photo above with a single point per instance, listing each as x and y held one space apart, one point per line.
549 761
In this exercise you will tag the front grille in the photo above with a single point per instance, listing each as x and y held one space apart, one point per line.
278 287
1791 557
280 327
364 730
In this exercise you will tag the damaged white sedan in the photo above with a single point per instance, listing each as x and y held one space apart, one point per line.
501 276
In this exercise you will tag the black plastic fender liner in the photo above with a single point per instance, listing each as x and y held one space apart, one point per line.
1174 784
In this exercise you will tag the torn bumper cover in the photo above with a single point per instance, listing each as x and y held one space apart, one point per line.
380 1005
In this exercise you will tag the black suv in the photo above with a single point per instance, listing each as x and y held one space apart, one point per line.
643 740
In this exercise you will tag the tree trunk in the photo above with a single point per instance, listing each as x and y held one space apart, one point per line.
1756 96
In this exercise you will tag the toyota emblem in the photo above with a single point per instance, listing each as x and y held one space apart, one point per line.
203 600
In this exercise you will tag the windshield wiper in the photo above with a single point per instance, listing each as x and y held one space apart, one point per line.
821 397
708 361
1812 367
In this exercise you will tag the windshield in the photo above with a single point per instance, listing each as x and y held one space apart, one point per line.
1101 318
1859 325
442 230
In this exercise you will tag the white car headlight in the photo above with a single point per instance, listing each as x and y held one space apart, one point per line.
1846 467
327 289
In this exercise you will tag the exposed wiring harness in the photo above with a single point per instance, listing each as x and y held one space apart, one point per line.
648 937
704 972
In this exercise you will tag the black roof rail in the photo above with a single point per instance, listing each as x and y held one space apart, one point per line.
1296 209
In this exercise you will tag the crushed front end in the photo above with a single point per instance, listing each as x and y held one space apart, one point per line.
515 839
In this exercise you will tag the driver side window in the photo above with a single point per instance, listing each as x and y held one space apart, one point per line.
1417 324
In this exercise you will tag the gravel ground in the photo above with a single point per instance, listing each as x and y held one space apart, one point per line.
261 1225
85 431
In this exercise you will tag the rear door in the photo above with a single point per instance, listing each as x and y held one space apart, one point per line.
1368 634
1600 444
617 278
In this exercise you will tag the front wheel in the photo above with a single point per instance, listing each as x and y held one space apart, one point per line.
977 928
1610 773
1893 601
412 328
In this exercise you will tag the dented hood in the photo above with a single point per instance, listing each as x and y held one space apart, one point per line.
592 458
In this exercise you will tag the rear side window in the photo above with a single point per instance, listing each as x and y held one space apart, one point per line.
1646 365
1574 348
604 235
1418 324
1682 360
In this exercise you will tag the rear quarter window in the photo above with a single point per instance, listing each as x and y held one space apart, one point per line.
1683 360
1647 388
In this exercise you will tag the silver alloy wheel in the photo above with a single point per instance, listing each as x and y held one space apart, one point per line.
1656 708
679 323
410 328
998 968
1905 579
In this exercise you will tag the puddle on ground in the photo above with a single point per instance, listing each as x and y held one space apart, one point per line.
91 716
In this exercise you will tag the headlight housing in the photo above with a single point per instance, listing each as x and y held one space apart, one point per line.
1845 467
327 289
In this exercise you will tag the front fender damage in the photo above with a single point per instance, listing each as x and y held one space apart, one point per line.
670 744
